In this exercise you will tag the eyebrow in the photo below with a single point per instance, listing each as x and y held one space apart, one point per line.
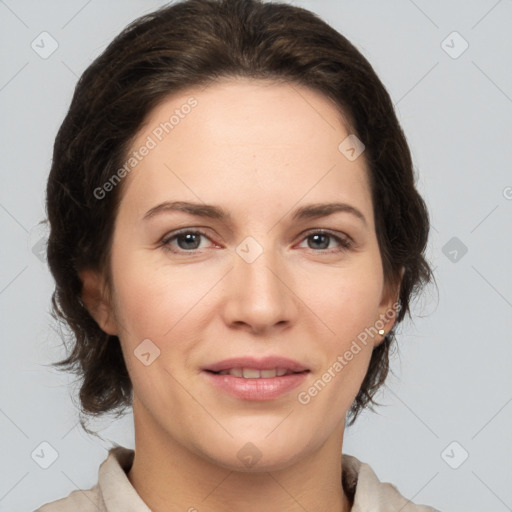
312 211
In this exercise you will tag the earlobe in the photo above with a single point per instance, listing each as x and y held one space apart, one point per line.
96 301
388 311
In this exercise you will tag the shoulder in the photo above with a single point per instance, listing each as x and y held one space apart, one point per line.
370 494
113 488
84 500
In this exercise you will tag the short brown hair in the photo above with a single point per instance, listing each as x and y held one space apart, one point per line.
195 42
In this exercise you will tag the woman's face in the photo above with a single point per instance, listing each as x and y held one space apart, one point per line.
261 282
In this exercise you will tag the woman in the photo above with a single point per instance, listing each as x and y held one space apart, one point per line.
235 234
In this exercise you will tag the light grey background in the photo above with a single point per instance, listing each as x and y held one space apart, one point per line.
453 380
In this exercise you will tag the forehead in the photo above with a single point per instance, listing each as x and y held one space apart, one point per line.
248 138
235 109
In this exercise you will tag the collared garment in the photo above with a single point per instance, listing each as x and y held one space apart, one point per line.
115 493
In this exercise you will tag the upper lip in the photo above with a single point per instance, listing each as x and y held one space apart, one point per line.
264 363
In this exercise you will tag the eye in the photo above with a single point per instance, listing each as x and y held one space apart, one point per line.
321 239
187 241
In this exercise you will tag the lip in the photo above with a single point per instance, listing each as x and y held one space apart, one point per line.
265 363
256 389
260 388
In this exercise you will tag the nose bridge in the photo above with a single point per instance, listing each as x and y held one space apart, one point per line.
259 275
258 294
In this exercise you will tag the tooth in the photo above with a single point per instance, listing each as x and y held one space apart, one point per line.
251 373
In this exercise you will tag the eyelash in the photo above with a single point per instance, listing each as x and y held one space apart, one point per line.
345 243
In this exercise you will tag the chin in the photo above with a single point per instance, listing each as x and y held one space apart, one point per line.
254 462
257 456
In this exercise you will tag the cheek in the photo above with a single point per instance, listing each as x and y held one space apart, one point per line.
150 305
151 299
345 300
349 310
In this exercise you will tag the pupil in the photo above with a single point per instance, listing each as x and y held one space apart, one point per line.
188 239
325 237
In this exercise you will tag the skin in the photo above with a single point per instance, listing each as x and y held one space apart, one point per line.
259 150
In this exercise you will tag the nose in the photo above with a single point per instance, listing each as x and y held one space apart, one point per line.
259 294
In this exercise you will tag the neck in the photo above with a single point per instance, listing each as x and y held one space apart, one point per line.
169 477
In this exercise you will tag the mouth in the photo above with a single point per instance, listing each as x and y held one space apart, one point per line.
253 368
247 378
255 373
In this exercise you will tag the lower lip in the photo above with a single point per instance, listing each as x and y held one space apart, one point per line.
256 389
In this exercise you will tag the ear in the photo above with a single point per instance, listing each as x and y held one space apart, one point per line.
388 308
96 300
